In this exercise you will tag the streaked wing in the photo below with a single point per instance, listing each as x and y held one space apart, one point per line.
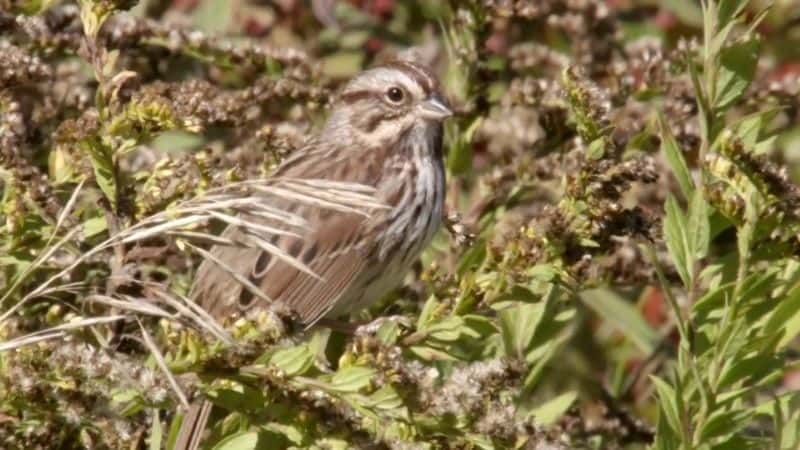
334 248
332 252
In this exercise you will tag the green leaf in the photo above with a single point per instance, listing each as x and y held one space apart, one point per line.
624 316
539 359
293 360
352 378
713 299
754 369
449 329
552 410
786 318
596 149
94 226
737 442
518 325
247 440
674 155
237 397
428 313
473 257
427 353
675 235
729 10
699 227
669 401
388 332
102 163
723 423
385 398
737 68
666 438
156 433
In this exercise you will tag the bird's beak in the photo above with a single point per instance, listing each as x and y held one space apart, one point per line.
434 108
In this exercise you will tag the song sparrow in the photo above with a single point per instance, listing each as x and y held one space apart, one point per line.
385 131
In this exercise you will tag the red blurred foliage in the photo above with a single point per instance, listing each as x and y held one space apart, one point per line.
791 379
374 44
665 20
184 5
654 309
379 8
254 28
786 70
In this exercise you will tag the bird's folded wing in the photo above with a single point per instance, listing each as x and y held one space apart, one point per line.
333 253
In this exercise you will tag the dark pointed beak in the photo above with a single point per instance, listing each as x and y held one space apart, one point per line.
434 108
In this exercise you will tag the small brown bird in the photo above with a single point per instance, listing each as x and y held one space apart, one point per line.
384 131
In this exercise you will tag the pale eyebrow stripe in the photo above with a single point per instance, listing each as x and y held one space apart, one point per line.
354 96
416 73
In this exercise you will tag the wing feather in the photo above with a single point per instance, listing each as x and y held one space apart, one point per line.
336 263
336 239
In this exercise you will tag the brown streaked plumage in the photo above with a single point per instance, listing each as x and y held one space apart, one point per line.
385 131
369 139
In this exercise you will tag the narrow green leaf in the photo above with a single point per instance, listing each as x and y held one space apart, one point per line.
156 432
596 149
718 41
428 313
293 360
552 410
676 161
237 397
94 226
754 369
518 325
669 404
729 10
699 227
737 68
624 316
427 353
385 398
786 318
103 165
723 423
473 257
174 430
713 299
675 235
666 438
388 332
352 378
448 330
247 440
737 442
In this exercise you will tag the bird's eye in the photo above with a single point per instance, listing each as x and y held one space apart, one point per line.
395 94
